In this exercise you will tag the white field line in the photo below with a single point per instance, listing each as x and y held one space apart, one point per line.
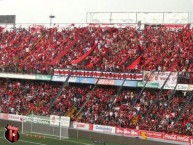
65 140
29 142
49 136
32 142
42 134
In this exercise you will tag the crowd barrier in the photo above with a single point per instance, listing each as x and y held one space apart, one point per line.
130 82
125 132
131 132
83 134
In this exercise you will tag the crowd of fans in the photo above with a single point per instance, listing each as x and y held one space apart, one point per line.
26 97
105 106
39 50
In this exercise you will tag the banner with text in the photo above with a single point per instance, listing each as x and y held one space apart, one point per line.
38 119
151 134
106 82
104 129
83 126
127 131
148 85
160 77
43 77
56 120
175 137
65 121
97 74
12 117
63 79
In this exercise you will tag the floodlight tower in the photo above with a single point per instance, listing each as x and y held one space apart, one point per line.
51 17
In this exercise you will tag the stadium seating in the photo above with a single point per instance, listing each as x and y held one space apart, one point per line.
105 106
39 50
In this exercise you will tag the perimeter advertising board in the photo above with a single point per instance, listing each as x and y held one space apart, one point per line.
104 129
83 126
56 120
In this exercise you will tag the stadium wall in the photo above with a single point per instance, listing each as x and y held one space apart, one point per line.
112 138
74 133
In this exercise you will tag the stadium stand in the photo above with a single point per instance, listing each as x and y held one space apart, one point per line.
26 97
39 50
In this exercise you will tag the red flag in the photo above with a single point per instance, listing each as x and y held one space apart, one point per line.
187 26
135 63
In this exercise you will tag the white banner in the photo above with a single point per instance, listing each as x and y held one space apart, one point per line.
65 121
160 77
17 76
59 78
182 87
97 74
54 120
104 129
12 117
63 78
169 86
15 117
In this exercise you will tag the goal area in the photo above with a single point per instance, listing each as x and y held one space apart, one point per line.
51 126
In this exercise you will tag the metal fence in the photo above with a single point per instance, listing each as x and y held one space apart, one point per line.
135 17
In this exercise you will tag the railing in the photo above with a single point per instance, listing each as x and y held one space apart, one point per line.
88 96
186 103
65 25
60 91
135 17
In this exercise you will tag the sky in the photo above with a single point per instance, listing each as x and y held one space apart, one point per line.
74 11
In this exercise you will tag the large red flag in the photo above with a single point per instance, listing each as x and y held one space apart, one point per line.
135 63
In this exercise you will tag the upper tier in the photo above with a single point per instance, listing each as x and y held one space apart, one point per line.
39 50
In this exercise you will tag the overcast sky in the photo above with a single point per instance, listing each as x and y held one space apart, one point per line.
74 11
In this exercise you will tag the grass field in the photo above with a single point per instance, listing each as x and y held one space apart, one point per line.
34 139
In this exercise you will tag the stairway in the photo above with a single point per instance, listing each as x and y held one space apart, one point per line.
186 103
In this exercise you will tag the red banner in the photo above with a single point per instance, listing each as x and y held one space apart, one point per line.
175 137
127 132
106 82
84 126
119 131
4 116
97 74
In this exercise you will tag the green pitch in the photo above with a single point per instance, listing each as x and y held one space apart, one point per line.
35 139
